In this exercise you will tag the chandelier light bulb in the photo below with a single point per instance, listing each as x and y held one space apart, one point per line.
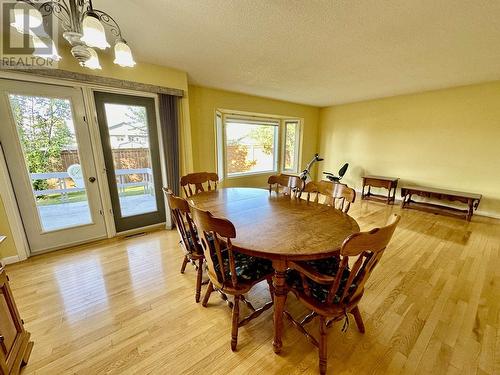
24 12
93 32
123 55
93 61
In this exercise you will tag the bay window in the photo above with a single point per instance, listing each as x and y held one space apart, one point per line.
249 145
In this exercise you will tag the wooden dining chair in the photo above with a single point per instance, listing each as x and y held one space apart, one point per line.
193 183
331 289
193 252
343 196
330 193
285 183
229 271
319 192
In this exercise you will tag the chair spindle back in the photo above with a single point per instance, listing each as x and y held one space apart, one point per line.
215 236
181 214
314 190
343 196
366 248
193 183
289 184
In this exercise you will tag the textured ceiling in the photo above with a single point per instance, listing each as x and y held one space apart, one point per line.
317 52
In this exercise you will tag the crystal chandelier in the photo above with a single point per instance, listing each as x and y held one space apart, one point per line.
83 27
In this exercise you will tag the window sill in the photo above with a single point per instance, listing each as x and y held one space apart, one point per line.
250 174
290 171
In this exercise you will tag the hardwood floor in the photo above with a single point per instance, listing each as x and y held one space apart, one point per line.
431 307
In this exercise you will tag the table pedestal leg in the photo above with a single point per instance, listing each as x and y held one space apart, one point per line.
280 293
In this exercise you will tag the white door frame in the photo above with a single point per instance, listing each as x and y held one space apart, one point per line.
11 208
13 215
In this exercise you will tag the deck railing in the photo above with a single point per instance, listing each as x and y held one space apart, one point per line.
121 182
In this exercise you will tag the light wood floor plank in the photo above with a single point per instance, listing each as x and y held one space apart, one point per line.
432 306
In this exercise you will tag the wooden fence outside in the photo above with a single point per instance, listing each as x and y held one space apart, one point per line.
124 158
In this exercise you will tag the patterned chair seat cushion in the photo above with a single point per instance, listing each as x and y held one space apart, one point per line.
328 266
196 248
248 268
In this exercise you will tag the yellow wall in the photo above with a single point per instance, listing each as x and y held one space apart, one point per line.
204 101
447 139
7 248
142 72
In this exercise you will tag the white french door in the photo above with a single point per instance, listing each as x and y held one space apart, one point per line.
49 156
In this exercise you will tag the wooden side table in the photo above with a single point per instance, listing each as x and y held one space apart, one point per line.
389 183
15 344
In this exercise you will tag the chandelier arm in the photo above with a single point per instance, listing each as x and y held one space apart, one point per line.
109 21
27 2
59 8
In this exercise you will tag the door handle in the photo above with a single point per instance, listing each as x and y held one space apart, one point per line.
92 179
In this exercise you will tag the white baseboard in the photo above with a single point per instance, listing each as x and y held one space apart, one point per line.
147 228
493 215
10 260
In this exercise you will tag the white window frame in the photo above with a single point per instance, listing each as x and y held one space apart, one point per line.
220 141
298 143
221 118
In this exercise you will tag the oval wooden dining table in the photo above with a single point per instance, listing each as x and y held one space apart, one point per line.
279 228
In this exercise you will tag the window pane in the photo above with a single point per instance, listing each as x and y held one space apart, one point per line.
291 145
129 139
50 147
250 147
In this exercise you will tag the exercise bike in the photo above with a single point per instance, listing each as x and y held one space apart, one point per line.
305 175
334 178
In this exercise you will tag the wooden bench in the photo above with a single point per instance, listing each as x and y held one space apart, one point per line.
472 200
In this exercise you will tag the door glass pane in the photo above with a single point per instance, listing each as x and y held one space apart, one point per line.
48 140
250 148
129 140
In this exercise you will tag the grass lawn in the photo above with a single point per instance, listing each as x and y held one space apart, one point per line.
81 196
